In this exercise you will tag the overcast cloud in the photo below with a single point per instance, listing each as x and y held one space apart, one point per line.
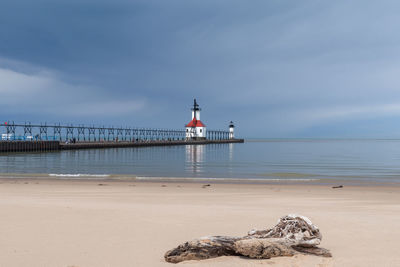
277 68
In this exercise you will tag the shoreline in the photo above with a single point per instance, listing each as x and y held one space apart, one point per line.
195 180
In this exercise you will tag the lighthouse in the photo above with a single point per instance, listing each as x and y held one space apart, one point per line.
195 129
231 130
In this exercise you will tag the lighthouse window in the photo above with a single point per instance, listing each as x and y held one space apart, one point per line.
187 130
201 130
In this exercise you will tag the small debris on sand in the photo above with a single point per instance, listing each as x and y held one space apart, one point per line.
206 185
101 184
163 185
339 186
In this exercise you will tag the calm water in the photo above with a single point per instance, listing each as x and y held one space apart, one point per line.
377 160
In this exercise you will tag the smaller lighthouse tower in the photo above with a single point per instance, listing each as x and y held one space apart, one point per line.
195 129
231 130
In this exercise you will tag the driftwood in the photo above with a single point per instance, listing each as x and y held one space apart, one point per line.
292 235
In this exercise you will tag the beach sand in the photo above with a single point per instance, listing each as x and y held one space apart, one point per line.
46 222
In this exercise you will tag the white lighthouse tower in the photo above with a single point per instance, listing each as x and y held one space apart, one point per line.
231 130
195 129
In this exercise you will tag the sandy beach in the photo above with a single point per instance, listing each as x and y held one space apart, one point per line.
49 222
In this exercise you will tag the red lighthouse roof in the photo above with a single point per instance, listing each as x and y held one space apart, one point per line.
195 123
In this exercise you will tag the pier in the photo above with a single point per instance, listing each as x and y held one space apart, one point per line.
27 137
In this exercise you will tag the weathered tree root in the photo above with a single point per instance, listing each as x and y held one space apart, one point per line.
292 235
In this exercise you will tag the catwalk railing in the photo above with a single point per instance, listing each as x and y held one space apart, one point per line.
72 133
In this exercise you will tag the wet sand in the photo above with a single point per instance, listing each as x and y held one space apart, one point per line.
50 222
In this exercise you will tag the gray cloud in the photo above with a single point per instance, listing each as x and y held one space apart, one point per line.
278 68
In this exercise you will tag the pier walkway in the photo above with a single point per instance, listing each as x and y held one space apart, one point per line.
44 137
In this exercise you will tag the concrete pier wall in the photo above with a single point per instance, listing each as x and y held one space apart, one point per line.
88 145
29 146
43 146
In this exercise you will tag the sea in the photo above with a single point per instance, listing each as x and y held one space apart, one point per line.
256 160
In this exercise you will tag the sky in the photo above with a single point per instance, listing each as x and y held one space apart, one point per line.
277 68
